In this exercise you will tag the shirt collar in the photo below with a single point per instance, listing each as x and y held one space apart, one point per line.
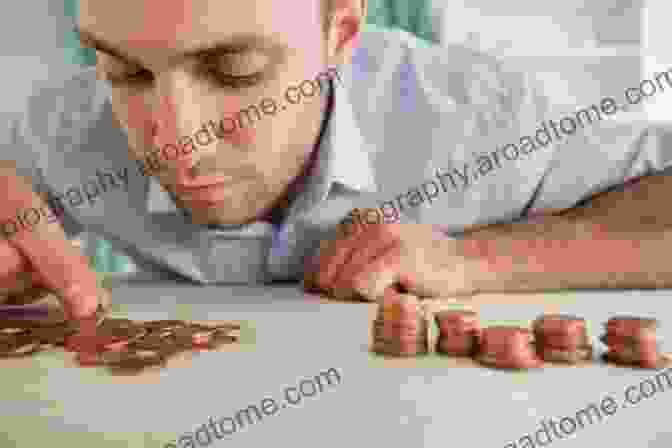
342 158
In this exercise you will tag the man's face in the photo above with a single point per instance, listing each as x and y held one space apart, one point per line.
252 50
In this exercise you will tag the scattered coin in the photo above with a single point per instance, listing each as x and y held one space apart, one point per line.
119 344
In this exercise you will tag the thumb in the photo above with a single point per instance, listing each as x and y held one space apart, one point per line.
60 265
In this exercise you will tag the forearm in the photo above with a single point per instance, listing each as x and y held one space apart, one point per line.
620 240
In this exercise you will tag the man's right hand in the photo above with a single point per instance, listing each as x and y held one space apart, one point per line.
42 256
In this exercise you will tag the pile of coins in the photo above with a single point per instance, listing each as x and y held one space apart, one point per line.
632 341
24 337
401 327
562 338
508 348
459 332
121 345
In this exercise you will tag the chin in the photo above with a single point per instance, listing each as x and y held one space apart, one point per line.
220 215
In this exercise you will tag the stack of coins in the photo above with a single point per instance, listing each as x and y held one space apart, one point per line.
401 327
633 341
562 338
459 332
508 348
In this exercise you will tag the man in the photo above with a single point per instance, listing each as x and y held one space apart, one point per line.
220 144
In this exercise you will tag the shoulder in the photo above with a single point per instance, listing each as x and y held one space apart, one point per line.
63 107
444 75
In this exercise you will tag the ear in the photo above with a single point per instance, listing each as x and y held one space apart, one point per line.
344 30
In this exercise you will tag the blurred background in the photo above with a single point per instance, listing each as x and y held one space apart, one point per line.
580 51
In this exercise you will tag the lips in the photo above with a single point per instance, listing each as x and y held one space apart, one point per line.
208 195
189 184
204 195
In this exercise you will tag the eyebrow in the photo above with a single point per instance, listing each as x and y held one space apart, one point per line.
237 44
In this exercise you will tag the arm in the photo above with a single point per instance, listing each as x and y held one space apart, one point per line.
620 239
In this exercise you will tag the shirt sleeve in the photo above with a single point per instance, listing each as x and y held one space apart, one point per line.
16 148
599 158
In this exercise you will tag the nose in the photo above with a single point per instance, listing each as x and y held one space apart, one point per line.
170 124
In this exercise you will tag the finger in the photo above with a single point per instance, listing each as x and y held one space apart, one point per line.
47 249
17 283
310 270
11 260
366 248
66 272
381 274
338 252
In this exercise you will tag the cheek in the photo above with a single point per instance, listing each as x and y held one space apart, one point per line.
245 134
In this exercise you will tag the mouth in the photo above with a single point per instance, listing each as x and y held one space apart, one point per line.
189 184
207 196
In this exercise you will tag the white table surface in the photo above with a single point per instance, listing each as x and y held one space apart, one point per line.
431 402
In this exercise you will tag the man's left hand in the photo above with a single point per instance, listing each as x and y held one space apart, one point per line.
416 258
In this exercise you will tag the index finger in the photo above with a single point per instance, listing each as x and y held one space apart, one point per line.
45 245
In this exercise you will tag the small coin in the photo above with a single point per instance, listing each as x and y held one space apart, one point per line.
566 356
391 350
52 335
228 325
28 296
134 360
20 347
121 328
88 359
231 333
150 342
159 325
12 331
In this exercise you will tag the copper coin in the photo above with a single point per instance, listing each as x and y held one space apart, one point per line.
215 342
20 347
465 345
28 296
509 363
631 359
387 349
392 331
157 325
408 342
566 356
611 339
458 319
12 331
504 340
133 359
401 346
632 326
562 341
18 323
152 342
559 324
53 335
87 359
85 343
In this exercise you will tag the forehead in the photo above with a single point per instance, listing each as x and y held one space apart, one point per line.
167 26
